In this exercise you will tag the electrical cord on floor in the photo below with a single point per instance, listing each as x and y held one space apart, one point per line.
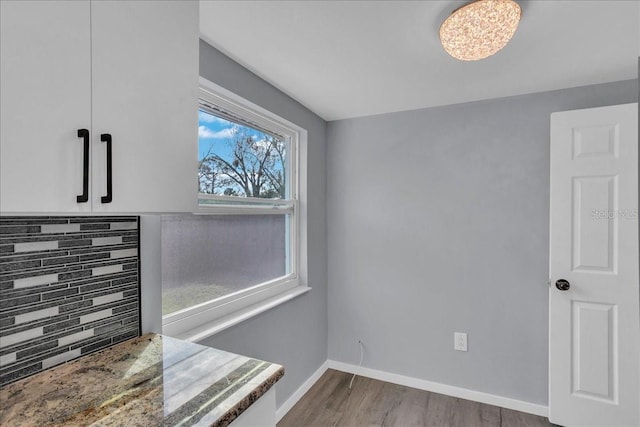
359 365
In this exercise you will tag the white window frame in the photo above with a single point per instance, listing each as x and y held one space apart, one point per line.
208 318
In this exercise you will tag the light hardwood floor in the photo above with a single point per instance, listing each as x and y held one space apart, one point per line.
377 403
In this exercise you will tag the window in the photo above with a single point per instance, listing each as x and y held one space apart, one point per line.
239 160
240 252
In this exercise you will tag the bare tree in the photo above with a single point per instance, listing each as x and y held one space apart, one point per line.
208 175
256 167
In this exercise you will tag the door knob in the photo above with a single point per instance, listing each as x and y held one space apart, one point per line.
563 284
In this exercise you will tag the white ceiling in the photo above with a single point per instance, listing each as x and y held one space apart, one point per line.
345 59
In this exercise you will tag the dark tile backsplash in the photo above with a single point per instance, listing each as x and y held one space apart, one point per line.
68 286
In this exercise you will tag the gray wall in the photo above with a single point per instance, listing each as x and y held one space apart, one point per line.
293 334
438 222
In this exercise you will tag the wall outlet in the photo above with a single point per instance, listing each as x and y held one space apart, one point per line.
460 341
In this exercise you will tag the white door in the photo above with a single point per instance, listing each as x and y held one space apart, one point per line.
145 82
594 337
45 60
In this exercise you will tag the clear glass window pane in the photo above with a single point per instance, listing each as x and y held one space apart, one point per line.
209 256
239 160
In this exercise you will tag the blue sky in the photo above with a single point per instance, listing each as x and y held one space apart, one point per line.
216 132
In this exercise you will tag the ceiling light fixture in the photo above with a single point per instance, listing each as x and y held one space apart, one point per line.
479 29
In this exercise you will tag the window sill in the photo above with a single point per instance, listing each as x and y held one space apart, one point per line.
211 328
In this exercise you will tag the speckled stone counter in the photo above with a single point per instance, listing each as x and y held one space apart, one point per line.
152 380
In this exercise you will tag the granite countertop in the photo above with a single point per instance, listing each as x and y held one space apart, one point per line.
151 380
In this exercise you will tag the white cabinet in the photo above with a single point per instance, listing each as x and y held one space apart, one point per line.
124 69
144 90
45 87
261 414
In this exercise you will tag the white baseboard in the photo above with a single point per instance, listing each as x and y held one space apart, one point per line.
463 393
297 395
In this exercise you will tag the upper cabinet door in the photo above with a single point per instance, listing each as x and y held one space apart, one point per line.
145 80
45 72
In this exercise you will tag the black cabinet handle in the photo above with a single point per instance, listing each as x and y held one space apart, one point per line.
106 137
84 197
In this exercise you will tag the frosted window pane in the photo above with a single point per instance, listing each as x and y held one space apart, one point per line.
208 256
